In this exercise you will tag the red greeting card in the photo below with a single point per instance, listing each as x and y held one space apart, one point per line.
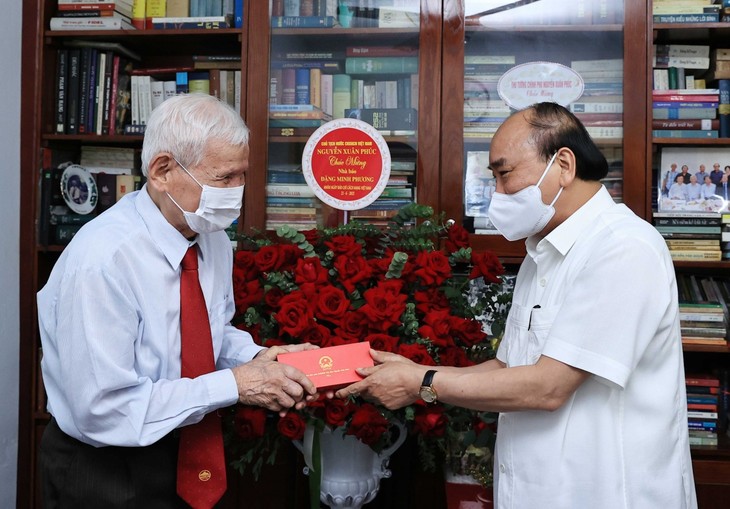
333 366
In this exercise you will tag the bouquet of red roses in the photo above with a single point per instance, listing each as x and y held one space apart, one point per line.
419 291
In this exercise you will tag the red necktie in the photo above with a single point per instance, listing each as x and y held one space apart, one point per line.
201 467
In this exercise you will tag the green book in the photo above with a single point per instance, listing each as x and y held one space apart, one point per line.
381 65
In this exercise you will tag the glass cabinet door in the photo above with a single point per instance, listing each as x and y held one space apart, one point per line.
340 59
516 53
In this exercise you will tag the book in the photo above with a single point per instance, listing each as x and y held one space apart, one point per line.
683 113
191 23
723 111
686 18
685 133
302 21
703 124
87 23
61 97
386 118
381 65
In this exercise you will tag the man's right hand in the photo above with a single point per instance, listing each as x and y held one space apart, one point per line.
272 385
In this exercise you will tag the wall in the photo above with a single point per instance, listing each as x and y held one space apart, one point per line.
10 38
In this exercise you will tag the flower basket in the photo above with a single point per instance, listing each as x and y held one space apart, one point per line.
414 287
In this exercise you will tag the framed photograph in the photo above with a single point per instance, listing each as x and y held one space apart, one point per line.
694 179
479 186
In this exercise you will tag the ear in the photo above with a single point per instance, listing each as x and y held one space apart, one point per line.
158 170
566 160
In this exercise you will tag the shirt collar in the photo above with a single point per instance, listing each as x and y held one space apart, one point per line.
565 234
167 238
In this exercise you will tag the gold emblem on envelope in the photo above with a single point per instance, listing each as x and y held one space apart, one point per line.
326 362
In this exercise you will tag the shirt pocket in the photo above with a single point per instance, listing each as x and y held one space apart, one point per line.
217 318
525 334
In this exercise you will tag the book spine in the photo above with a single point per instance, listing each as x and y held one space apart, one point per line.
190 25
238 13
684 104
686 18
301 86
683 113
302 21
92 23
386 118
61 90
724 108
139 14
685 133
381 65
705 124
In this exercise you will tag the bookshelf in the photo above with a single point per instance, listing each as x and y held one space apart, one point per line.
711 464
447 34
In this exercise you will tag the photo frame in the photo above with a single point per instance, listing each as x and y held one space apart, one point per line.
692 193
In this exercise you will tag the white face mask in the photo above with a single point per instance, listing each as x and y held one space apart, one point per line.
219 207
522 214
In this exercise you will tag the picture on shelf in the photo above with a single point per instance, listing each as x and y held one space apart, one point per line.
479 186
694 179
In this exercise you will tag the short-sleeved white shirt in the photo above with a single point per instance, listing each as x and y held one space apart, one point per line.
598 293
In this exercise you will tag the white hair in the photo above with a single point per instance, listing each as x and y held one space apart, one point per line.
183 125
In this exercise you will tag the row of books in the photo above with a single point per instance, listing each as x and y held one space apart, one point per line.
704 409
345 14
687 11
484 110
695 236
600 108
93 15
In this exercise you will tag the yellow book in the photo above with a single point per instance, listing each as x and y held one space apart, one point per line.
139 10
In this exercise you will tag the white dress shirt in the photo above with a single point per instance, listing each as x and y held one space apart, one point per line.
109 320
598 293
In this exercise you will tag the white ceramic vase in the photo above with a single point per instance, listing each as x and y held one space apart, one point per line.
351 470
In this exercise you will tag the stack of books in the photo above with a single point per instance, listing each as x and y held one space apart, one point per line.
91 15
484 110
289 200
703 323
600 108
702 409
685 11
691 236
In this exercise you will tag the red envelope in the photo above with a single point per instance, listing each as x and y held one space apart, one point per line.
333 366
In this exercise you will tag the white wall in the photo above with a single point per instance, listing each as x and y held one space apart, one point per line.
10 32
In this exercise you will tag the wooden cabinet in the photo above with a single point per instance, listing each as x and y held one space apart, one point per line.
447 36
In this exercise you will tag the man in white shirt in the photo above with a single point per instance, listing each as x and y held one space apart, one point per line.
693 190
589 377
110 320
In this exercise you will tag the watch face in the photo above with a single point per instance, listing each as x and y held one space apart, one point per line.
428 394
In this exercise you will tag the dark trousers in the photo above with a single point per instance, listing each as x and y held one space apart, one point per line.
79 476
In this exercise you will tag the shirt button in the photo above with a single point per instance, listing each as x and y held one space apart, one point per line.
502 468
543 282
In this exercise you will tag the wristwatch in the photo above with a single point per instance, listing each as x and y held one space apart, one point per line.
427 392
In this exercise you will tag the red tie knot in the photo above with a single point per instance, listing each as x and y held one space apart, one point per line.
190 260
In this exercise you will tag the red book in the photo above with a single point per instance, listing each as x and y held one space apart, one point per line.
700 406
710 98
702 380
86 7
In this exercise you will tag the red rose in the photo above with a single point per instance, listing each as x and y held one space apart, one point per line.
249 422
336 411
467 331
454 356
344 245
294 315
273 297
487 265
367 424
430 421
311 236
382 342
268 258
437 328
354 323
244 266
247 294
458 237
332 304
352 270
431 299
432 267
310 270
384 304
291 426
417 353
317 335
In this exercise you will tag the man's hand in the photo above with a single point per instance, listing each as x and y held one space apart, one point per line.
278 387
393 382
